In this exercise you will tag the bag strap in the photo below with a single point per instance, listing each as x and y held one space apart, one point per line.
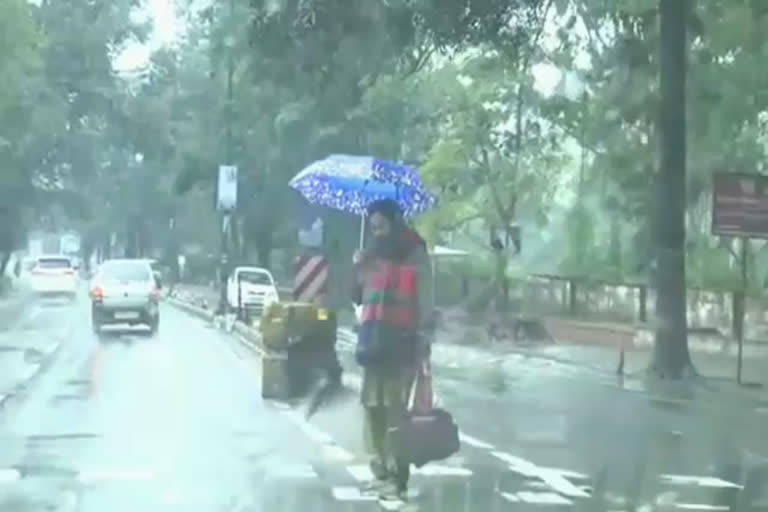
419 376
412 392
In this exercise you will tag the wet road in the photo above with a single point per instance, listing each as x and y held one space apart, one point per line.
172 422
176 422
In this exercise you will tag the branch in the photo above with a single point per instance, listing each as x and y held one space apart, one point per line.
457 224
592 32
419 60
502 212
535 42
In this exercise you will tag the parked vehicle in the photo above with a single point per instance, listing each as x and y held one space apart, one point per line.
250 290
125 291
54 276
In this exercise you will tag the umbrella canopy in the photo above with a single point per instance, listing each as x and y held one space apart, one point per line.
351 183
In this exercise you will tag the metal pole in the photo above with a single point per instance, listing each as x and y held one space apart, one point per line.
230 73
742 310
226 224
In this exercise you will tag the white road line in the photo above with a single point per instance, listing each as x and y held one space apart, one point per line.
553 477
700 506
68 503
171 497
51 348
30 372
101 475
360 472
543 498
702 481
351 494
509 496
9 475
471 441
298 471
338 453
436 470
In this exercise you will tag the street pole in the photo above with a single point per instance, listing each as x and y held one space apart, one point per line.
741 310
227 218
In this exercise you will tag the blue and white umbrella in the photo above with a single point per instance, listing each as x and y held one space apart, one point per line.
351 183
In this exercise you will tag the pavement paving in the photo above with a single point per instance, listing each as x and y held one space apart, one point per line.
537 433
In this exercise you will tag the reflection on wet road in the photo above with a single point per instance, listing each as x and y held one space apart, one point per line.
175 422
172 422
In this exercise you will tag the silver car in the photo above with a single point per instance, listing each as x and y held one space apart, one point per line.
125 291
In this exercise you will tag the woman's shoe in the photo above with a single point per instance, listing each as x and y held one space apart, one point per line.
389 492
374 486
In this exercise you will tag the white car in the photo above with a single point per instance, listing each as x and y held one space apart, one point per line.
54 275
253 288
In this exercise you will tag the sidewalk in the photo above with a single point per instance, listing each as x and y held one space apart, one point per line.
599 361
538 408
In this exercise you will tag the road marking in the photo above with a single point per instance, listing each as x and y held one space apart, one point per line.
352 494
701 506
8 475
336 452
360 472
298 471
553 477
171 497
471 441
701 481
538 498
68 503
90 476
435 470
30 372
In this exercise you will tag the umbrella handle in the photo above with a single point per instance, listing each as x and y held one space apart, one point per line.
362 231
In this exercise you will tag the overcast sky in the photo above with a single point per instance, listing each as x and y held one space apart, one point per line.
166 28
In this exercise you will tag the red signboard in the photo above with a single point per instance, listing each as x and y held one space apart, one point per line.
740 205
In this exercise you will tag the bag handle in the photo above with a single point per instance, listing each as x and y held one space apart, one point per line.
420 374
412 392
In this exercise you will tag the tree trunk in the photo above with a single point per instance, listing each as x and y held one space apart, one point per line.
263 241
671 358
4 259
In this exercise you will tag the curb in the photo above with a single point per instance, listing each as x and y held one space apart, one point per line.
201 313
244 333
251 339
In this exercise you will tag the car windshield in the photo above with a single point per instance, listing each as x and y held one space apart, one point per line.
53 263
254 277
125 271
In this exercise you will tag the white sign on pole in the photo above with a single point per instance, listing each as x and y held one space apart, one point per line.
227 190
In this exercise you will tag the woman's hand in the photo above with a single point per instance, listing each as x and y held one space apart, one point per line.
357 257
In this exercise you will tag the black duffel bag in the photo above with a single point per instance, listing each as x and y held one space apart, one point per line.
427 437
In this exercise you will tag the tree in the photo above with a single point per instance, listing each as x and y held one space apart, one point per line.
22 95
671 358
